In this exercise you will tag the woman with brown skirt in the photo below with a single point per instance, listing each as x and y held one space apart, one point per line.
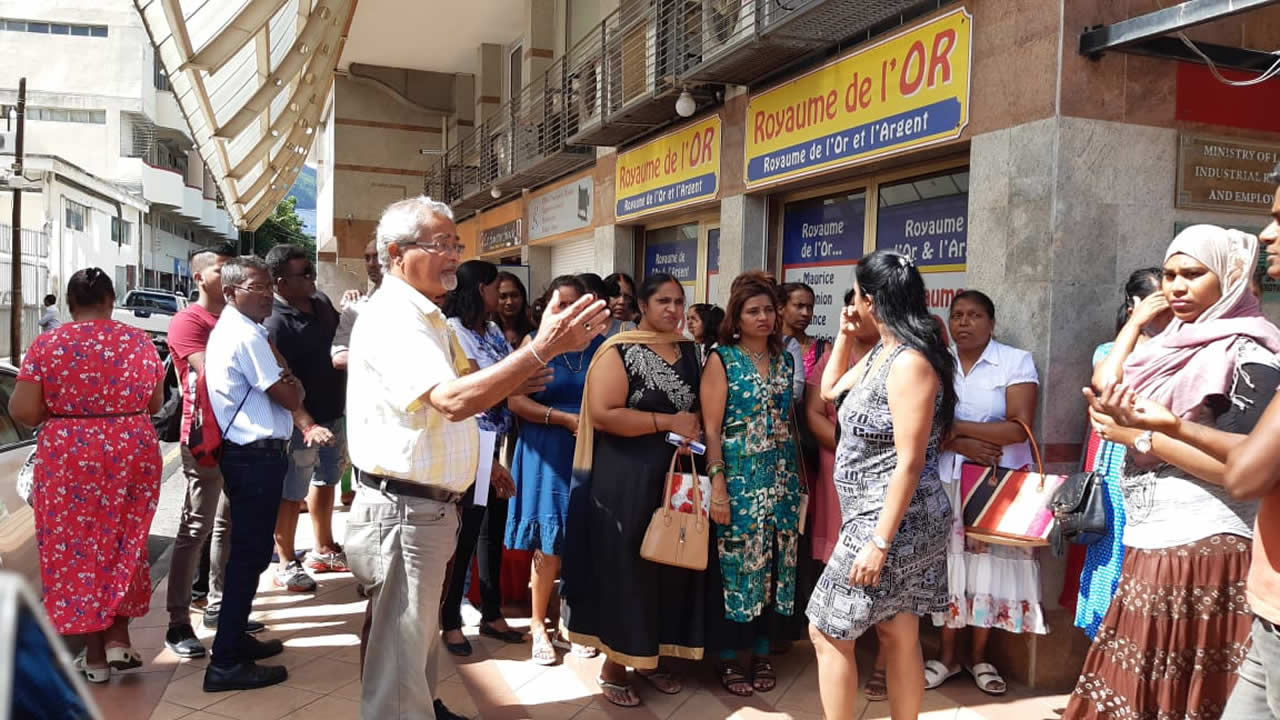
1178 626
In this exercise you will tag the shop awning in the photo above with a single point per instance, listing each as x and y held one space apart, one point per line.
1158 34
252 79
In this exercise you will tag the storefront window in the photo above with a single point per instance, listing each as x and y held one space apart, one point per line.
674 250
927 220
822 243
713 265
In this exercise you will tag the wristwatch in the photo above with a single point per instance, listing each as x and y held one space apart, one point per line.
1143 443
880 542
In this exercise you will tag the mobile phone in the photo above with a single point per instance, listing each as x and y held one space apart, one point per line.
678 440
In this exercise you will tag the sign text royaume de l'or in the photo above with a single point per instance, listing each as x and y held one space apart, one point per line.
674 170
909 90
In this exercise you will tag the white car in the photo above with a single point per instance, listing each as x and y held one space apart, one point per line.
149 310
17 522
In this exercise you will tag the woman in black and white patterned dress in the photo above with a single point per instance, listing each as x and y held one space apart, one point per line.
889 565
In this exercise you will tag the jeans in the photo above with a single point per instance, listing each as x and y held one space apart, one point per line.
253 480
481 530
205 513
397 547
315 466
1257 692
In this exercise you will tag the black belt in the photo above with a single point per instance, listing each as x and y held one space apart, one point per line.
403 487
272 444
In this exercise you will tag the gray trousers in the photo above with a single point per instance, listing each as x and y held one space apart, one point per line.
205 510
398 548
1257 692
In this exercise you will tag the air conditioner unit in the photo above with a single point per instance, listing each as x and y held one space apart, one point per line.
726 22
9 142
588 89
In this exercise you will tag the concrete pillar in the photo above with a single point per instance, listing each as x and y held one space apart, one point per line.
462 122
539 38
744 239
488 82
616 249
538 258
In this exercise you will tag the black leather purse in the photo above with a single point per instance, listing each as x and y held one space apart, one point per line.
1080 507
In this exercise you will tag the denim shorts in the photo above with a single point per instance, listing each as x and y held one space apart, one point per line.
318 466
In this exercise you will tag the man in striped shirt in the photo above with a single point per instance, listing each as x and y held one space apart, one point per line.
414 443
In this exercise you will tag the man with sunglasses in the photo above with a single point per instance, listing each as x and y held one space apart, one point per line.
415 445
302 325
253 396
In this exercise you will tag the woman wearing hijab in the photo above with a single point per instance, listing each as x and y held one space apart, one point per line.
1178 626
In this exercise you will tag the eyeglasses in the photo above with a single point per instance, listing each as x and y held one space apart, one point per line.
254 289
440 245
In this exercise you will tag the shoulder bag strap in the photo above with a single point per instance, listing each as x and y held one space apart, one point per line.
222 433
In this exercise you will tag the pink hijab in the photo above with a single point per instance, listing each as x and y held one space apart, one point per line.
1188 362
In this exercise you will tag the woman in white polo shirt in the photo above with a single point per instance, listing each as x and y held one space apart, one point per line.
991 586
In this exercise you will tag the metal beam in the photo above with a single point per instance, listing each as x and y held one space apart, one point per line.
223 46
1152 25
1223 56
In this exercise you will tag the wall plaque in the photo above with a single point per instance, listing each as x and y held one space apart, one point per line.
1222 174
506 235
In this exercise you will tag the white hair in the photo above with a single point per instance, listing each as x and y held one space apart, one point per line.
403 220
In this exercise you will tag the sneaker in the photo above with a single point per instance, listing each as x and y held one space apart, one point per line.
181 641
293 578
326 562
253 627
471 617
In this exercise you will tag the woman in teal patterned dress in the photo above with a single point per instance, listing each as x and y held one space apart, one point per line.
756 491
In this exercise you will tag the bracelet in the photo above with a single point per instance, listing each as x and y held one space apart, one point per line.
654 417
546 420
719 502
715 468
535 356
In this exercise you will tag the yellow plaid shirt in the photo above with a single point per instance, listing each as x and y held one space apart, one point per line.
401 347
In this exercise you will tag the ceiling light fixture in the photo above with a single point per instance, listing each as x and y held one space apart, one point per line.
685 105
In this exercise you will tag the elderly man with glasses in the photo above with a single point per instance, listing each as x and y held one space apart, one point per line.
415 445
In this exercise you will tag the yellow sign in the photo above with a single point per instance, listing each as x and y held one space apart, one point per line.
906 91
674 170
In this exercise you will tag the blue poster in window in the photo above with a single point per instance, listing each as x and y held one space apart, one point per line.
933 232
823 231
678 259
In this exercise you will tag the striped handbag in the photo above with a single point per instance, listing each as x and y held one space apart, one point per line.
1009 507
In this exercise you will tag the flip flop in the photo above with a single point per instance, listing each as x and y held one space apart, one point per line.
544 652
618 689
664 682
988 679
936 673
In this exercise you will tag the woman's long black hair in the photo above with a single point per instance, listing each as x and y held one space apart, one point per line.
524 321
712 316
1142 282
89 287
465 301
897 294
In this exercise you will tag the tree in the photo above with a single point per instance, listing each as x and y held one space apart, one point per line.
284 226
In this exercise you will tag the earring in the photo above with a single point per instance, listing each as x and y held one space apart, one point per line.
737 336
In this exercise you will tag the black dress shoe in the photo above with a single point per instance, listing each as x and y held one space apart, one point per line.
252 648
181 641
444 713
245 676
507 636
253 627
461 649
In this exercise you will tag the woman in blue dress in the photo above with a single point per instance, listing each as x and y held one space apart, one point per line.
542 469
1102 559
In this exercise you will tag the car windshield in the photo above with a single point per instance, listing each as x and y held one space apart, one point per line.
152 301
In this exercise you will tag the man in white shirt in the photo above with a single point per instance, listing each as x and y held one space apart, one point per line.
414 442
253 395
49 320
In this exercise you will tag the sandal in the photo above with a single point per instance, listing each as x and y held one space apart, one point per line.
988 679
876 690
763 677
619 694
92 674
936 673
585 652
121 658
732 676
662 681
544 653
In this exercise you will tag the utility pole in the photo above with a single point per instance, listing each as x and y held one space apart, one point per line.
15 236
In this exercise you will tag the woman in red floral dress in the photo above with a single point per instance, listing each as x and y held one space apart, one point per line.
93 383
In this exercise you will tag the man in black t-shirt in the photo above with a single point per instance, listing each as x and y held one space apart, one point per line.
302 325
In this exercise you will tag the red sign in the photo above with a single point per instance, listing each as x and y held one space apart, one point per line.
1203 99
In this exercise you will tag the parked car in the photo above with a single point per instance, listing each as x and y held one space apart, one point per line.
151 311
17 522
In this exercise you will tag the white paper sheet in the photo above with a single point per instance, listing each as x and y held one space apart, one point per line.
485 467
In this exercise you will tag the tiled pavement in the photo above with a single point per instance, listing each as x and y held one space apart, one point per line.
321 636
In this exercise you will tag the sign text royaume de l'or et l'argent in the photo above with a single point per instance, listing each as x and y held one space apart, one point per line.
677 169
909 90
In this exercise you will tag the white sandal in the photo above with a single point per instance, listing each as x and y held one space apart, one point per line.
93 675
985 676
123 658
936 673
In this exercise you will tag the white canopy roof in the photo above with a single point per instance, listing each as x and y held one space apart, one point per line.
252 78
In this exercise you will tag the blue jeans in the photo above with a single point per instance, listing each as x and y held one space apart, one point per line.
253 480
315 466
1257 692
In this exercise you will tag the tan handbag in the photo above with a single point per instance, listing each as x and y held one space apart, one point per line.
677 538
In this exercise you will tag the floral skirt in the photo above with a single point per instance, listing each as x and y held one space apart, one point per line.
1174 637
